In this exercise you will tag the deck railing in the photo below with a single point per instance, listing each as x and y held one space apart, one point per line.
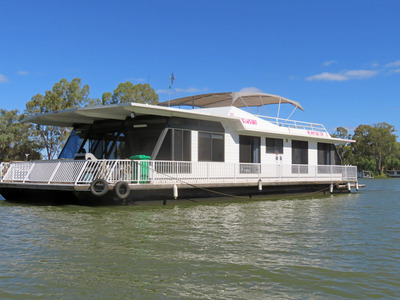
78 172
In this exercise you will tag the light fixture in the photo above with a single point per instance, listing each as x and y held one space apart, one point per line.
133 115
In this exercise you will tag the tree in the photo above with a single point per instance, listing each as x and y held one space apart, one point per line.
374 143
383 143
129 92
15 141
64 95
344 151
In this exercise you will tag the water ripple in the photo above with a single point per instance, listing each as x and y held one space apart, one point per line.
344 246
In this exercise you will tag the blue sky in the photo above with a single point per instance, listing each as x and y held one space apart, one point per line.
339 59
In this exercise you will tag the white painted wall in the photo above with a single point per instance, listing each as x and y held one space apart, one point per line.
232 149
312 153
195 146
231 145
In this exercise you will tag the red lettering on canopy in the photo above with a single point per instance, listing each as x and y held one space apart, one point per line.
317 133
249 121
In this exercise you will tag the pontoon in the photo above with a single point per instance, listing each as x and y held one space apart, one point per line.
219 144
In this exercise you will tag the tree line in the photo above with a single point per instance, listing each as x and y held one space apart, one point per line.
376 148
21 141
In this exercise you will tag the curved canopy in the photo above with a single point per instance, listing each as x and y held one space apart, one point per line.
237 99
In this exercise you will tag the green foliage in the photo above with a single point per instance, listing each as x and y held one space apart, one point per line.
129 92
344 151
63 95
376 148
18 139
15 138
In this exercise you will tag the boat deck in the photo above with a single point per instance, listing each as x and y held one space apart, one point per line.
62 180
83 172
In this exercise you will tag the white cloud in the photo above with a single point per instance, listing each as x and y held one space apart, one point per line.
394 71
360 74
3 78
329 62
191 90
327 77
343 75
393 64
23 73
251 90
162 91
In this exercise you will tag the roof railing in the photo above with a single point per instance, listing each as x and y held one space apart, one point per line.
294 124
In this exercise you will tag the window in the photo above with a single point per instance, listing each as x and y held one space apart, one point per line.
249 150
299 153
177 145
274 145
327 154
249 153
182 145
211 146
299 157
72 146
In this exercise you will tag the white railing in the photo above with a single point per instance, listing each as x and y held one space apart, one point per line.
78 172
295 124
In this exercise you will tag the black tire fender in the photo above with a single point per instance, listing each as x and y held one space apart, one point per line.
99 187
122 190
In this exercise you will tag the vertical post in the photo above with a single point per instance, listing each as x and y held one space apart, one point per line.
316 172
171 82
139 177
80 173
112 171
279 108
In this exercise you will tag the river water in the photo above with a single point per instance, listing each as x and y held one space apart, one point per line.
342 246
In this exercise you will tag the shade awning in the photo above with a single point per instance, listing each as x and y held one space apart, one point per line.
237 99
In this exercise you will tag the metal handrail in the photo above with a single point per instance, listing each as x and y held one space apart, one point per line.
294 123
80 172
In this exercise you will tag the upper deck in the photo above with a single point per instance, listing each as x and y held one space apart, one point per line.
236 109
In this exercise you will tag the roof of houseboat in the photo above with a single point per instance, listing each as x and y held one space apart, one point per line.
237 99
222 107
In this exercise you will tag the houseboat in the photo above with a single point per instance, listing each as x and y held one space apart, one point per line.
365 174
393 173
217 144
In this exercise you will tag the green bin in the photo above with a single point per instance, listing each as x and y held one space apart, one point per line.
144 168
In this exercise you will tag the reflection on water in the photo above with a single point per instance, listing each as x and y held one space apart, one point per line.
340 246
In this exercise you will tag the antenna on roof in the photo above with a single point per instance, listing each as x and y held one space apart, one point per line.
171 82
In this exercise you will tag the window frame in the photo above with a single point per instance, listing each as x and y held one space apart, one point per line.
275 148
214 155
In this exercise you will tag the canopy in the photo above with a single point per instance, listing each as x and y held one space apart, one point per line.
238 99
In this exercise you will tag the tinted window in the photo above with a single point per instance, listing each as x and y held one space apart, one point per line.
274 145
299 152
211 146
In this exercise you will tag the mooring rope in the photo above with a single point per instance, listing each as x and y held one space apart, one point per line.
221 193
